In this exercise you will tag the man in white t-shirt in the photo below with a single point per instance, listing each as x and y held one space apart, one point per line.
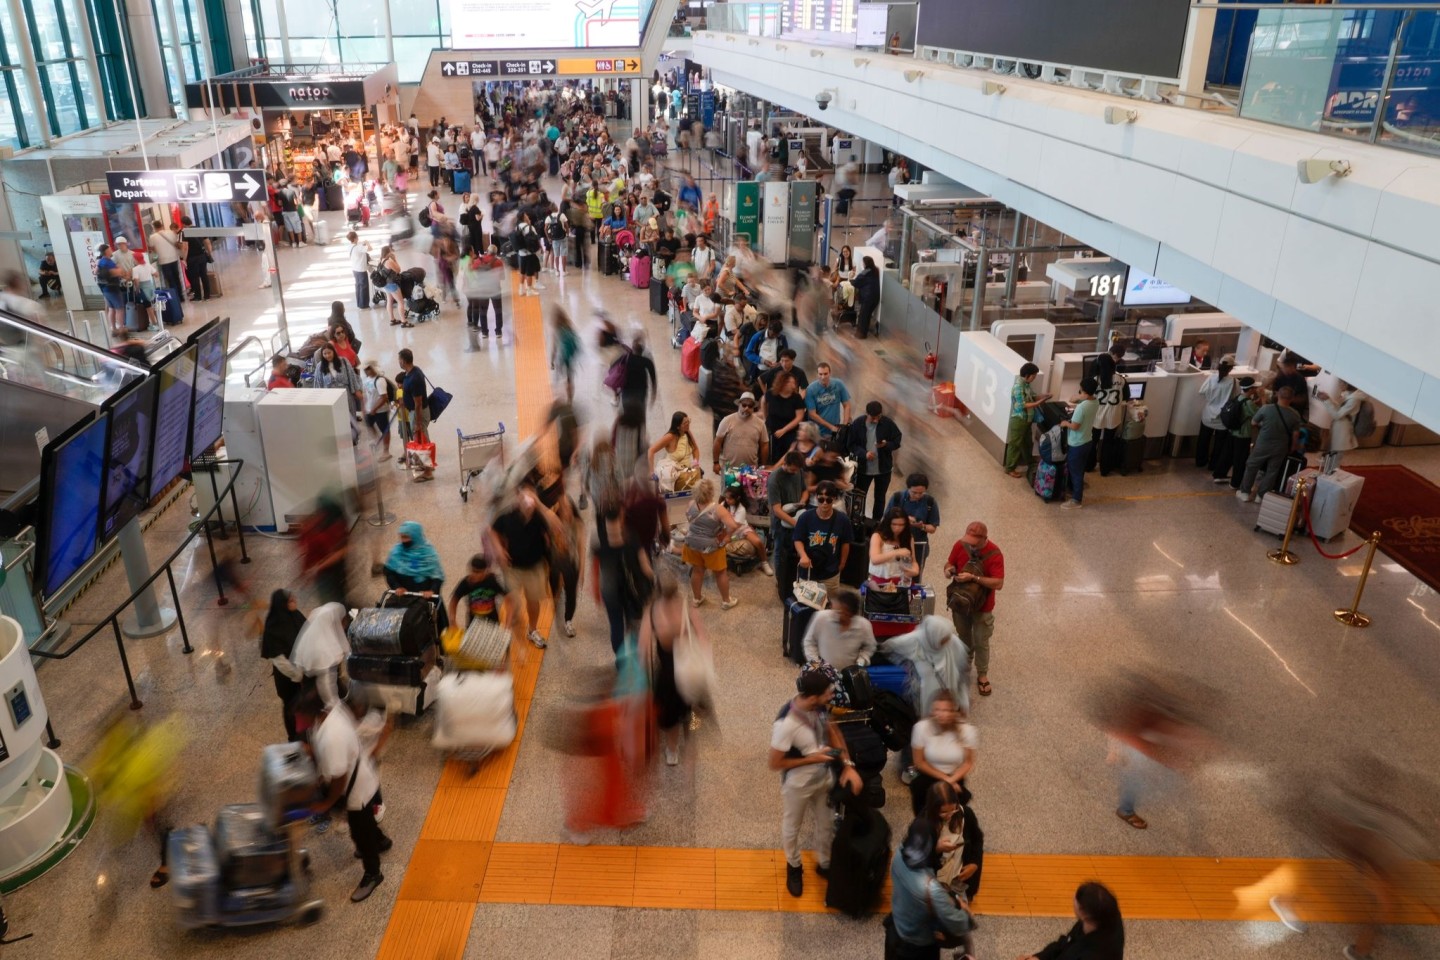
348 768
703 256
804 743
433 156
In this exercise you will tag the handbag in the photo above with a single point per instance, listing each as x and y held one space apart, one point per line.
894 602
439 399
694 669
811 593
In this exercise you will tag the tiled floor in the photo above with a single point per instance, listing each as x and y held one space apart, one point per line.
1156 569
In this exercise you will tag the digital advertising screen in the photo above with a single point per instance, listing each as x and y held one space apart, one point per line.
172 418
543 24
872 24
127 455
72 477
1143 290
211 342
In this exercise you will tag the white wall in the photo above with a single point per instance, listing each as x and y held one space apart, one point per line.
1342 271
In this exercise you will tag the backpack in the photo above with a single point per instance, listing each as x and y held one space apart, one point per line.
1054 444
530 240
1364 421
425 217
967 598
1232 415
555 227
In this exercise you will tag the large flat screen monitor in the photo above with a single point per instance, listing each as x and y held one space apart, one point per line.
211 342
127 455
172 418
72 475
549 24
1143 290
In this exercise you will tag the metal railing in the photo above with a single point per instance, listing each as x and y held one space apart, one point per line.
166 569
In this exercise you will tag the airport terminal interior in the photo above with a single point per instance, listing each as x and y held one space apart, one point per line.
1051 288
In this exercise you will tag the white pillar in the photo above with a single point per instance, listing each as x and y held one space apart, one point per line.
284 31
389 36
639 105
177 54
92 67
146 59
235 26
32 76
1195 56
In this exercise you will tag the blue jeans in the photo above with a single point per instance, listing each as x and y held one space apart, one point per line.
1075 462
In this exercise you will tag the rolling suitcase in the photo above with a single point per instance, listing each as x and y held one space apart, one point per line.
1132 456
194 875
1332 502
1049 481
690 359
792 632
609 262
892 679
859 857
251 854
1293 465
1274 517
485 645
322 233
857 563
385 669
167 301
474 711
640 272
461 181
657 297
392 631
334 198
288 783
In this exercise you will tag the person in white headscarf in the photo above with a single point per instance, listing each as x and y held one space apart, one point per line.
320 649
941 662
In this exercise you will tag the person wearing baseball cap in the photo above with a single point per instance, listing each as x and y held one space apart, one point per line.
376 393
123 256
1231 458
741 439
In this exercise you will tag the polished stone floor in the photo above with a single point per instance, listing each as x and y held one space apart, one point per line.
1157 569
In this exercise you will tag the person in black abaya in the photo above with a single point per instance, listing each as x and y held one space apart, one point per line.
282 626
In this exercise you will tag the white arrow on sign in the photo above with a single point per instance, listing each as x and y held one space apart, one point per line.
549 66
249 185
448 68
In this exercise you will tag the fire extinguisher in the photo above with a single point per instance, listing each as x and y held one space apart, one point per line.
931 362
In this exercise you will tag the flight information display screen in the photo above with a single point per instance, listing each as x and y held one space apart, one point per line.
172 418
127 455
72 477
210 342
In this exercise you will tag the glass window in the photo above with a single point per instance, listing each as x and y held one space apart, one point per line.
411 55
10 35
9 129
312 50
62 95
413 18
28 110
361 18
362 49
49 41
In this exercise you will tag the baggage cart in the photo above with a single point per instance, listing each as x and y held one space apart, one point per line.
477 450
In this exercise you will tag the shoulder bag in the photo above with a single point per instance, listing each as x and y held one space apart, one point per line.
439 399
811 593
694 670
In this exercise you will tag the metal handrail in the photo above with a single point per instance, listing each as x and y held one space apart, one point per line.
29 549
113 620
241 345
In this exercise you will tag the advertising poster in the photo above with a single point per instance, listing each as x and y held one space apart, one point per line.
747 211
87 253
775 219
802 222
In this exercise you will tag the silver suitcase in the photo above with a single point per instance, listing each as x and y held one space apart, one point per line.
288 783
194 875
1274 514
1332 503
251 854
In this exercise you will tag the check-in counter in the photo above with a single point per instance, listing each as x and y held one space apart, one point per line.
1189 405
1160 394
985 370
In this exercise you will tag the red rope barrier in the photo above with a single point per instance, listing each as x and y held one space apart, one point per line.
1316 540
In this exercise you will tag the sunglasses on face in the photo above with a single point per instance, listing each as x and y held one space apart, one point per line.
824 499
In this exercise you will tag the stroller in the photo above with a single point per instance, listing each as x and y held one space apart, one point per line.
420 301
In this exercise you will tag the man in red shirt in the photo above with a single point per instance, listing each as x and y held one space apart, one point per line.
976 546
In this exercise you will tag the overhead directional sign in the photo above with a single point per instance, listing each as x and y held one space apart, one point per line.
567 67
186 186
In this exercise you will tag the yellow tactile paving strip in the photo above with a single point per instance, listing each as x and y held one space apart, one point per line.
457 863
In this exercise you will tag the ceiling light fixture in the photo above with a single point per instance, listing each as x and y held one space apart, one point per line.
991 89
1118 115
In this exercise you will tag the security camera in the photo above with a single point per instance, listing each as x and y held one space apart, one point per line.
823 98
1313 171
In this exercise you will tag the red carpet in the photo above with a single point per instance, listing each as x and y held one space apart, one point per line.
1405 508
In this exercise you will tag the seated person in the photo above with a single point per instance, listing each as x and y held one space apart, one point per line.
49 276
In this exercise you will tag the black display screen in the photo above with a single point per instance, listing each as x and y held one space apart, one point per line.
1143 37
72 478
127 455
172 418
211 341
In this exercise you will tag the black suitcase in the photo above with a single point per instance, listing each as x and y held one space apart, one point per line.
167 301
893 718
250 853
399 626
859 857
1052 412
792 633
1293 464
334 197
1132 456
657 297
609 261
857 563
393 671
867 750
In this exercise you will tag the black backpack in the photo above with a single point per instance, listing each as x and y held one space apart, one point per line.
555 227
1232 415
425 217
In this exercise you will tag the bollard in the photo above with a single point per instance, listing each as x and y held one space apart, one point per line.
382 518
1283 556
1352 617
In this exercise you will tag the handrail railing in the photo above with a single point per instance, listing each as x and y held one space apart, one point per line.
113 619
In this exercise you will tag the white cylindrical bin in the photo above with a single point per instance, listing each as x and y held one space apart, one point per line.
34 793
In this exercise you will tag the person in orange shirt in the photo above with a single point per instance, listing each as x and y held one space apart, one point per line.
712 211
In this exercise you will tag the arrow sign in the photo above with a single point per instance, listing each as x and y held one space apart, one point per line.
249 185
448 68
632 65
184 186
549 66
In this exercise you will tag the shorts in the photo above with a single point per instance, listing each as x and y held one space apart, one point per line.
392 288
379 422
558 246
114 297
533 583
292 220
529 265
714 561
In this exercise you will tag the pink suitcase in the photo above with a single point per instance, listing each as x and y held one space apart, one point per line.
640 272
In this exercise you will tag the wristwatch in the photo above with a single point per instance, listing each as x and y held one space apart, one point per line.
848 762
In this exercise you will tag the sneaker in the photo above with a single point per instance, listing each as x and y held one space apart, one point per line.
794 880
1071 505
1350 953
1246 497
569 629
727 604
908 775
538 286
672 757
379 818
766 569
320 823
534 637
1219 480
484 337
698 601
385 456
823 871
367 886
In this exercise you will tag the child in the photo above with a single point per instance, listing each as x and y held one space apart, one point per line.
482 590
743 531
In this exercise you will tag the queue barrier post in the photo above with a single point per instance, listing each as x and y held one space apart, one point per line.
1351 616
1283 556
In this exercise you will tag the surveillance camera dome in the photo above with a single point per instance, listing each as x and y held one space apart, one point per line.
822 99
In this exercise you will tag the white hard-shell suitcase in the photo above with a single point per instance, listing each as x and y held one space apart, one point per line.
1332 502
1274 514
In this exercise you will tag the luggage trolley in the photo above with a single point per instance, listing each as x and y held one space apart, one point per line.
476 452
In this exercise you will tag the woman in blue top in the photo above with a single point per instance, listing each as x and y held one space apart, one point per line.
615 222
1080 437
110 277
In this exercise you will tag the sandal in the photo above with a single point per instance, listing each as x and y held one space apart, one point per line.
1134 820
159 878
1014 473
984 687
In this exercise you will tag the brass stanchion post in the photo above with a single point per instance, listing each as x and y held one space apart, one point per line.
1352 617
1283 555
